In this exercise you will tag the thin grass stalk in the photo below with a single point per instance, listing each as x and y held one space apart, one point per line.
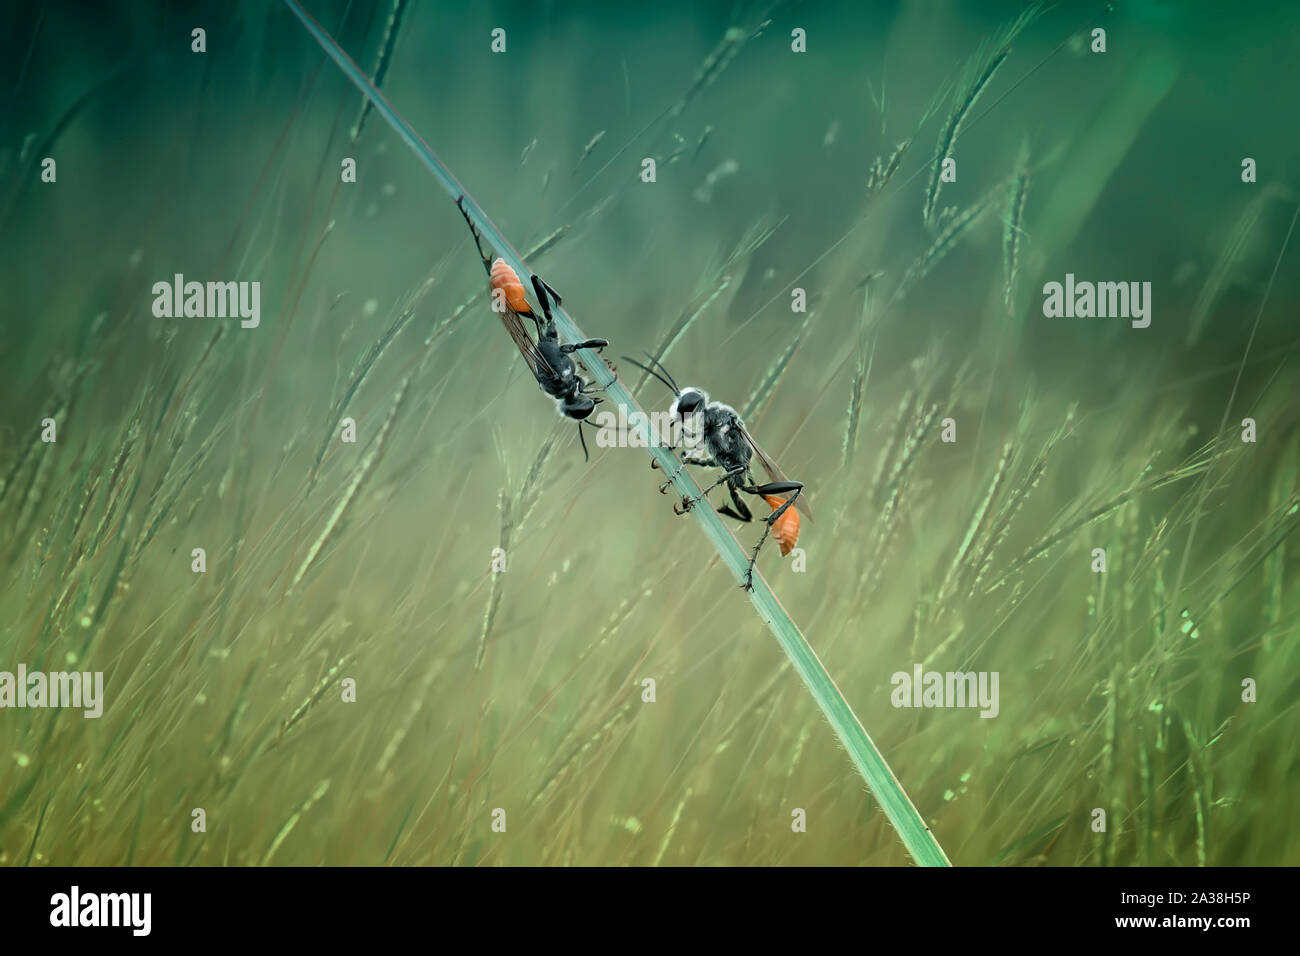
953 125
861 373
350 493
683 323
719 59
911 827
586 150
321 789
951 130
1037 551
949 235
672 827
882 170
386 48
717 279
494 588
359 373
322 686
577 753
1013 228
757 402
1229 257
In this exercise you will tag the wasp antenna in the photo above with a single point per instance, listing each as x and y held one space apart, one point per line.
660 365
647 368
583 440
487 260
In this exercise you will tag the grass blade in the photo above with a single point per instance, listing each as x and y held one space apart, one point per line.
913 830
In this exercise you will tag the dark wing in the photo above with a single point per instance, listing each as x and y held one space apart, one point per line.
524 342
774 470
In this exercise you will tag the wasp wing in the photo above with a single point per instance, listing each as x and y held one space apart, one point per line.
524 342
774 471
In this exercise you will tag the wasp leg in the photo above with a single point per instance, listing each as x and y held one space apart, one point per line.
540 288
554 295
774 487
596 344
545 330
688 502
487 261
663 489
654 462
593 387
701 462
741 510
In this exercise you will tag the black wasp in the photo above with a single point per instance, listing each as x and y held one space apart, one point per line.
548 358
727 444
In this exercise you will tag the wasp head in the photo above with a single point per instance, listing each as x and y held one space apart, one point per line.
577 407
688 402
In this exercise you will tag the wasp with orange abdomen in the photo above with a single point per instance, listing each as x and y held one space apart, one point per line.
548 358
727 444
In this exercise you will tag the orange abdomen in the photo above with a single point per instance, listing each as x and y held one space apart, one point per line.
512 290
786 528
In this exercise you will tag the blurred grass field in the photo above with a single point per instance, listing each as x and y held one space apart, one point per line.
372 561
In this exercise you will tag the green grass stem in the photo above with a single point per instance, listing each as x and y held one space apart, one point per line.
911 827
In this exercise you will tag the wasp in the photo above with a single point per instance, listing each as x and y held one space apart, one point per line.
721 440
548 358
